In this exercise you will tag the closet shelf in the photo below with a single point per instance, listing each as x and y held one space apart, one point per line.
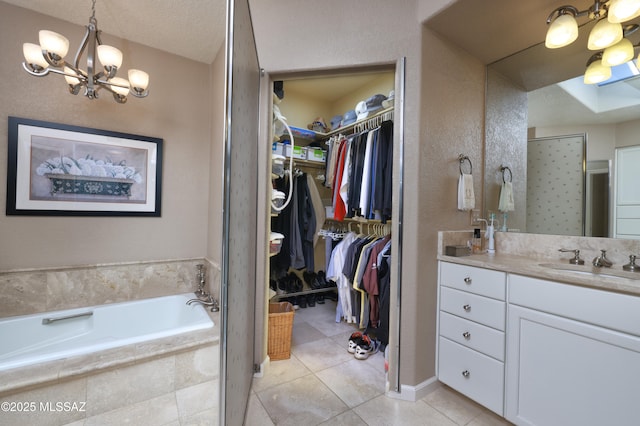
311 135
306 290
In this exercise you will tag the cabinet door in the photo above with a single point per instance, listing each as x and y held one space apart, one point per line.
563 372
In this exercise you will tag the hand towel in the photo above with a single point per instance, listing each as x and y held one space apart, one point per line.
466 197
506 203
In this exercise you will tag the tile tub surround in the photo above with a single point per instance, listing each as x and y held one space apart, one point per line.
522 254
157 382
42 290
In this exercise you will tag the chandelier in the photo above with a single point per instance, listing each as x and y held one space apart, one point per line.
49 55
607 37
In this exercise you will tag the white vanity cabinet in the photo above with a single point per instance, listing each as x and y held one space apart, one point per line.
471 338
573 355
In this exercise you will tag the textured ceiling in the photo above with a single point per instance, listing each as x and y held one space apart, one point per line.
194 29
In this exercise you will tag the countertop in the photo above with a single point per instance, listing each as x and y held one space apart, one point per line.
609 279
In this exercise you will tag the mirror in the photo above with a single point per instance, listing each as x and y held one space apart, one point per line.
537 94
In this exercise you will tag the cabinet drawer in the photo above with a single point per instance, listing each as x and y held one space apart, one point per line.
480 281
606 309
476 308
477 376
473 335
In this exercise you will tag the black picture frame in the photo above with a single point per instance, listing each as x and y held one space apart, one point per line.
63 170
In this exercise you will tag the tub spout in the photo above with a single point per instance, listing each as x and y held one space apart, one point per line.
209 301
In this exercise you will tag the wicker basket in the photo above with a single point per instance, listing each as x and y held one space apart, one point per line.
280 328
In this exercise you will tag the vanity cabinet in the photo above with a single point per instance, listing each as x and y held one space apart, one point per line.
573 355
471 332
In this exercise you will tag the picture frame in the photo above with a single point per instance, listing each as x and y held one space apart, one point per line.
63 170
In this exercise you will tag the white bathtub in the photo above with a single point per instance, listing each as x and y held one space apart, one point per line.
30 339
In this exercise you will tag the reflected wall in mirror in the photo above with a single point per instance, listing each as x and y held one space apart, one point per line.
608 114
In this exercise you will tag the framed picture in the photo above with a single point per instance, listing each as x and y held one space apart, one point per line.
57 169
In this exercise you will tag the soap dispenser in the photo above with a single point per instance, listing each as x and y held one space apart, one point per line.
491 246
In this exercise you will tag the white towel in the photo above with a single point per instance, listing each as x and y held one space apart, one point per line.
506 203
466 197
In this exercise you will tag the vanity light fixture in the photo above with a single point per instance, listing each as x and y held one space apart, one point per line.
49 55
608 35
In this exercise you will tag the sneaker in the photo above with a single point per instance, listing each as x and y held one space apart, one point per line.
354 340
366 348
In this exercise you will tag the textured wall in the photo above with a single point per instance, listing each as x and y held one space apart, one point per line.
178 113
443 116
505 144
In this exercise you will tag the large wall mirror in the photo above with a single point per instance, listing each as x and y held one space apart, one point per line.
543 92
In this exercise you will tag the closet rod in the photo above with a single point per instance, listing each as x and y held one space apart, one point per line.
384 114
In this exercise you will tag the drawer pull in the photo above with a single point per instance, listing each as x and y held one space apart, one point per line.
466 373
466 308
466 335
467 280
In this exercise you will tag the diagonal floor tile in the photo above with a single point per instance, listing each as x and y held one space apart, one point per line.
279 372
321 354
354 382
304 401
453 405
384 411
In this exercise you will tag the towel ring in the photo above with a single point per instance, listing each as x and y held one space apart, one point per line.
463 159
505 169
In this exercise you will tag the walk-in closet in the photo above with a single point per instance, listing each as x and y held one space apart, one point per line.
332 162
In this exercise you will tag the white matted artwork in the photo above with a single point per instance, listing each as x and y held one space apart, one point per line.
57 169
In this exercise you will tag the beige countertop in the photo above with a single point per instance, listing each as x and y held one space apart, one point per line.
553 269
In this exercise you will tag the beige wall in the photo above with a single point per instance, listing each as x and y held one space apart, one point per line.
444 103
176 111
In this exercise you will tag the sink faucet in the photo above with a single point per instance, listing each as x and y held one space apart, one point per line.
602 260
576 259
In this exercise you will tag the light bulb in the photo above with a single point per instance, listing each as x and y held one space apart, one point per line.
54 43
109 56
139 80
597 73
120 86
70 80
562 32
33 55
617 54
623 10
604 34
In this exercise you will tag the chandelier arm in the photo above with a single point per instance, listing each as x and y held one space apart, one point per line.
36 73
82 48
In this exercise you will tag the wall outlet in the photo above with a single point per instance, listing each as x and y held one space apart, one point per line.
475 216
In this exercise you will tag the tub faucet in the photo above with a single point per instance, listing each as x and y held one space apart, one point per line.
208 301
602 260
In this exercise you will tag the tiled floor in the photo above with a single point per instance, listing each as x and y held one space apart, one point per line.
324 384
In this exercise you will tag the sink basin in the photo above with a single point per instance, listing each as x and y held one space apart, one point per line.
592 271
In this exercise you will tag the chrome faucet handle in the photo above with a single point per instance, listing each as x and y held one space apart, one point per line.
576 259
631 266
602 260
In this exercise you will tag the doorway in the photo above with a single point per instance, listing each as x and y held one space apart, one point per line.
263 267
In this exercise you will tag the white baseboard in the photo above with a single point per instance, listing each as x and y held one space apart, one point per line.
263 367
414 393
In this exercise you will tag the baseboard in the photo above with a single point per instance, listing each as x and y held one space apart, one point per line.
262 368
414 393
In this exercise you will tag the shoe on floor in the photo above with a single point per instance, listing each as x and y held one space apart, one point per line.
366 348
354 340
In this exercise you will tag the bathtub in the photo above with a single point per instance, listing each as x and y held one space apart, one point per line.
31 339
